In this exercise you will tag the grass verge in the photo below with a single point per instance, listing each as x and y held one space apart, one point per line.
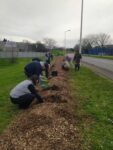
103 57
10 75
95 108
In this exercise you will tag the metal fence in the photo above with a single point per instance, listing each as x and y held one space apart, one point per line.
99 51
16 54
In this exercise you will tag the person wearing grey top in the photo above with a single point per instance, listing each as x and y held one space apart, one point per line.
24 93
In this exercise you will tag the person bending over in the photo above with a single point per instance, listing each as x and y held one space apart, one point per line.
36 67
24 93
65 65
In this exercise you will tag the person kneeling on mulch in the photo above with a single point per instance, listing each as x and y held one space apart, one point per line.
24 93
65 65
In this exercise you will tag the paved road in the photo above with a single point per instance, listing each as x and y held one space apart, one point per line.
102 63
103 67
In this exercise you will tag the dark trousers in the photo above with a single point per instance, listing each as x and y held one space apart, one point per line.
77 67
23 101
47 70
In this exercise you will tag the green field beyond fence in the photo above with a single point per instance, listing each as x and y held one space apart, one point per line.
58 52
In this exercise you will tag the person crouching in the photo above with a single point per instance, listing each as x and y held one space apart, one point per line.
24 93
36 67
65 65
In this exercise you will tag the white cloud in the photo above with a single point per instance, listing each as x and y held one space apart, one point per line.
37 19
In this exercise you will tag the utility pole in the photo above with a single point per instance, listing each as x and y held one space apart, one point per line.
81 28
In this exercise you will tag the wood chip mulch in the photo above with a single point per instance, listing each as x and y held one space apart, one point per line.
51 125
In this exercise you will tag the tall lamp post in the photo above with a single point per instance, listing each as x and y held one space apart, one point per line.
65 39
80 49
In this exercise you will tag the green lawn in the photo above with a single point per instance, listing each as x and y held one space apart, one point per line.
94 96
10 75
58 52
98 56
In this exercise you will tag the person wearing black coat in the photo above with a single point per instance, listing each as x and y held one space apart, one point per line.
77 58
36 67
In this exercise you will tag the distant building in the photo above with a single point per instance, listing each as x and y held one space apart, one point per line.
6 45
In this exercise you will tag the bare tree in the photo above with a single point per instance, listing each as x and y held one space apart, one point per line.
11 51
50 43
40 47
26 44
94 40
76 47
103 40
87 43
1 46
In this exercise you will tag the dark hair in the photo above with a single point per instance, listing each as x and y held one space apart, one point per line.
34 78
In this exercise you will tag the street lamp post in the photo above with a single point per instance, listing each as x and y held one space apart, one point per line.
82 4
65 40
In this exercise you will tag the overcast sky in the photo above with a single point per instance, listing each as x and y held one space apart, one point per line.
35 20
